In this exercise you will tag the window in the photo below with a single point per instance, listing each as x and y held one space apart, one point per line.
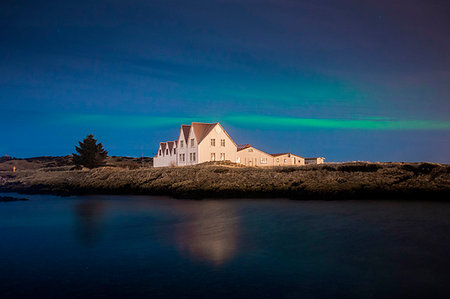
222 156
192 142
213 142
238 160
190 157
167 151
174 151
181 157
222 142
278 160
181 143
263 160
213 156
193 156
160 153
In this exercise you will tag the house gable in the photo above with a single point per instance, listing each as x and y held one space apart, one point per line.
251 156
163 147
201 130
170 145
185 131
218 145
189 140
227 134
260 151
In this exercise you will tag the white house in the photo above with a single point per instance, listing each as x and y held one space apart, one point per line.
197 143
167 154
287 159
251 156
204 142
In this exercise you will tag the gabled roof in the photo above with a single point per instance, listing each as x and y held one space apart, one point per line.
240 147
245 146
201 130
163 146
186 129
170 145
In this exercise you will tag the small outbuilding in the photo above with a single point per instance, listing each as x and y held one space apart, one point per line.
287 159
251 156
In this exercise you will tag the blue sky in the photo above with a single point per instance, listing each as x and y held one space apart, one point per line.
348 80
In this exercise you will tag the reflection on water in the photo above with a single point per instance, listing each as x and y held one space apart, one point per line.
210 233
89 216
206 231
141 247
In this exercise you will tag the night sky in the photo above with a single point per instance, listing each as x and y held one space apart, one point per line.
348 80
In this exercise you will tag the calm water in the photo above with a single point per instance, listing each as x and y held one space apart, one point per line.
133 246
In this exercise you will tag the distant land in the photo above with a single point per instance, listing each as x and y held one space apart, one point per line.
330 181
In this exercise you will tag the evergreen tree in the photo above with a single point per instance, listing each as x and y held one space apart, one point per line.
90 154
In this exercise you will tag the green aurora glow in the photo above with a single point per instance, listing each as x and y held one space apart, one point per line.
142 121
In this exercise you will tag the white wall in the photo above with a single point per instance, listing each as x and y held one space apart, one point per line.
205 148
182 150
192 149
165 159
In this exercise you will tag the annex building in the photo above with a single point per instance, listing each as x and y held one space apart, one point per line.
205 142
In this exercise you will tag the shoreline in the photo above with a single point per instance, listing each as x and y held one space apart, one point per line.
354 180
412 195
11 198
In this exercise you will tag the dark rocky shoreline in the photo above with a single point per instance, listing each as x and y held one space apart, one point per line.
10 198
360 180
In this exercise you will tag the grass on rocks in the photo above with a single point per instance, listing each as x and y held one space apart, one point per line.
221 180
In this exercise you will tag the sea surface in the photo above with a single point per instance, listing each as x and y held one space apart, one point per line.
160 247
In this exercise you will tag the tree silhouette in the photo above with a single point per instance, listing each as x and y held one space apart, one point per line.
90 154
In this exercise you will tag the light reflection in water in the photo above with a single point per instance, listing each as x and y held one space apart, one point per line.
202 230
88 220
210 233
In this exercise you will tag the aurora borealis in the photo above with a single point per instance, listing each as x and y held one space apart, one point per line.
348 80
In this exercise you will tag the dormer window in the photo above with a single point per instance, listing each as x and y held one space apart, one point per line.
160 152
181 143
192 142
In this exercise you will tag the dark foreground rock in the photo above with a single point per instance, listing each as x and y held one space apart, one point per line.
426 181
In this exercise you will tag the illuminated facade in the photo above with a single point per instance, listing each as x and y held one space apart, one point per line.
205 142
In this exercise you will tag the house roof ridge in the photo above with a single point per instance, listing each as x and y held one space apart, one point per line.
201 130
186 129
203 123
